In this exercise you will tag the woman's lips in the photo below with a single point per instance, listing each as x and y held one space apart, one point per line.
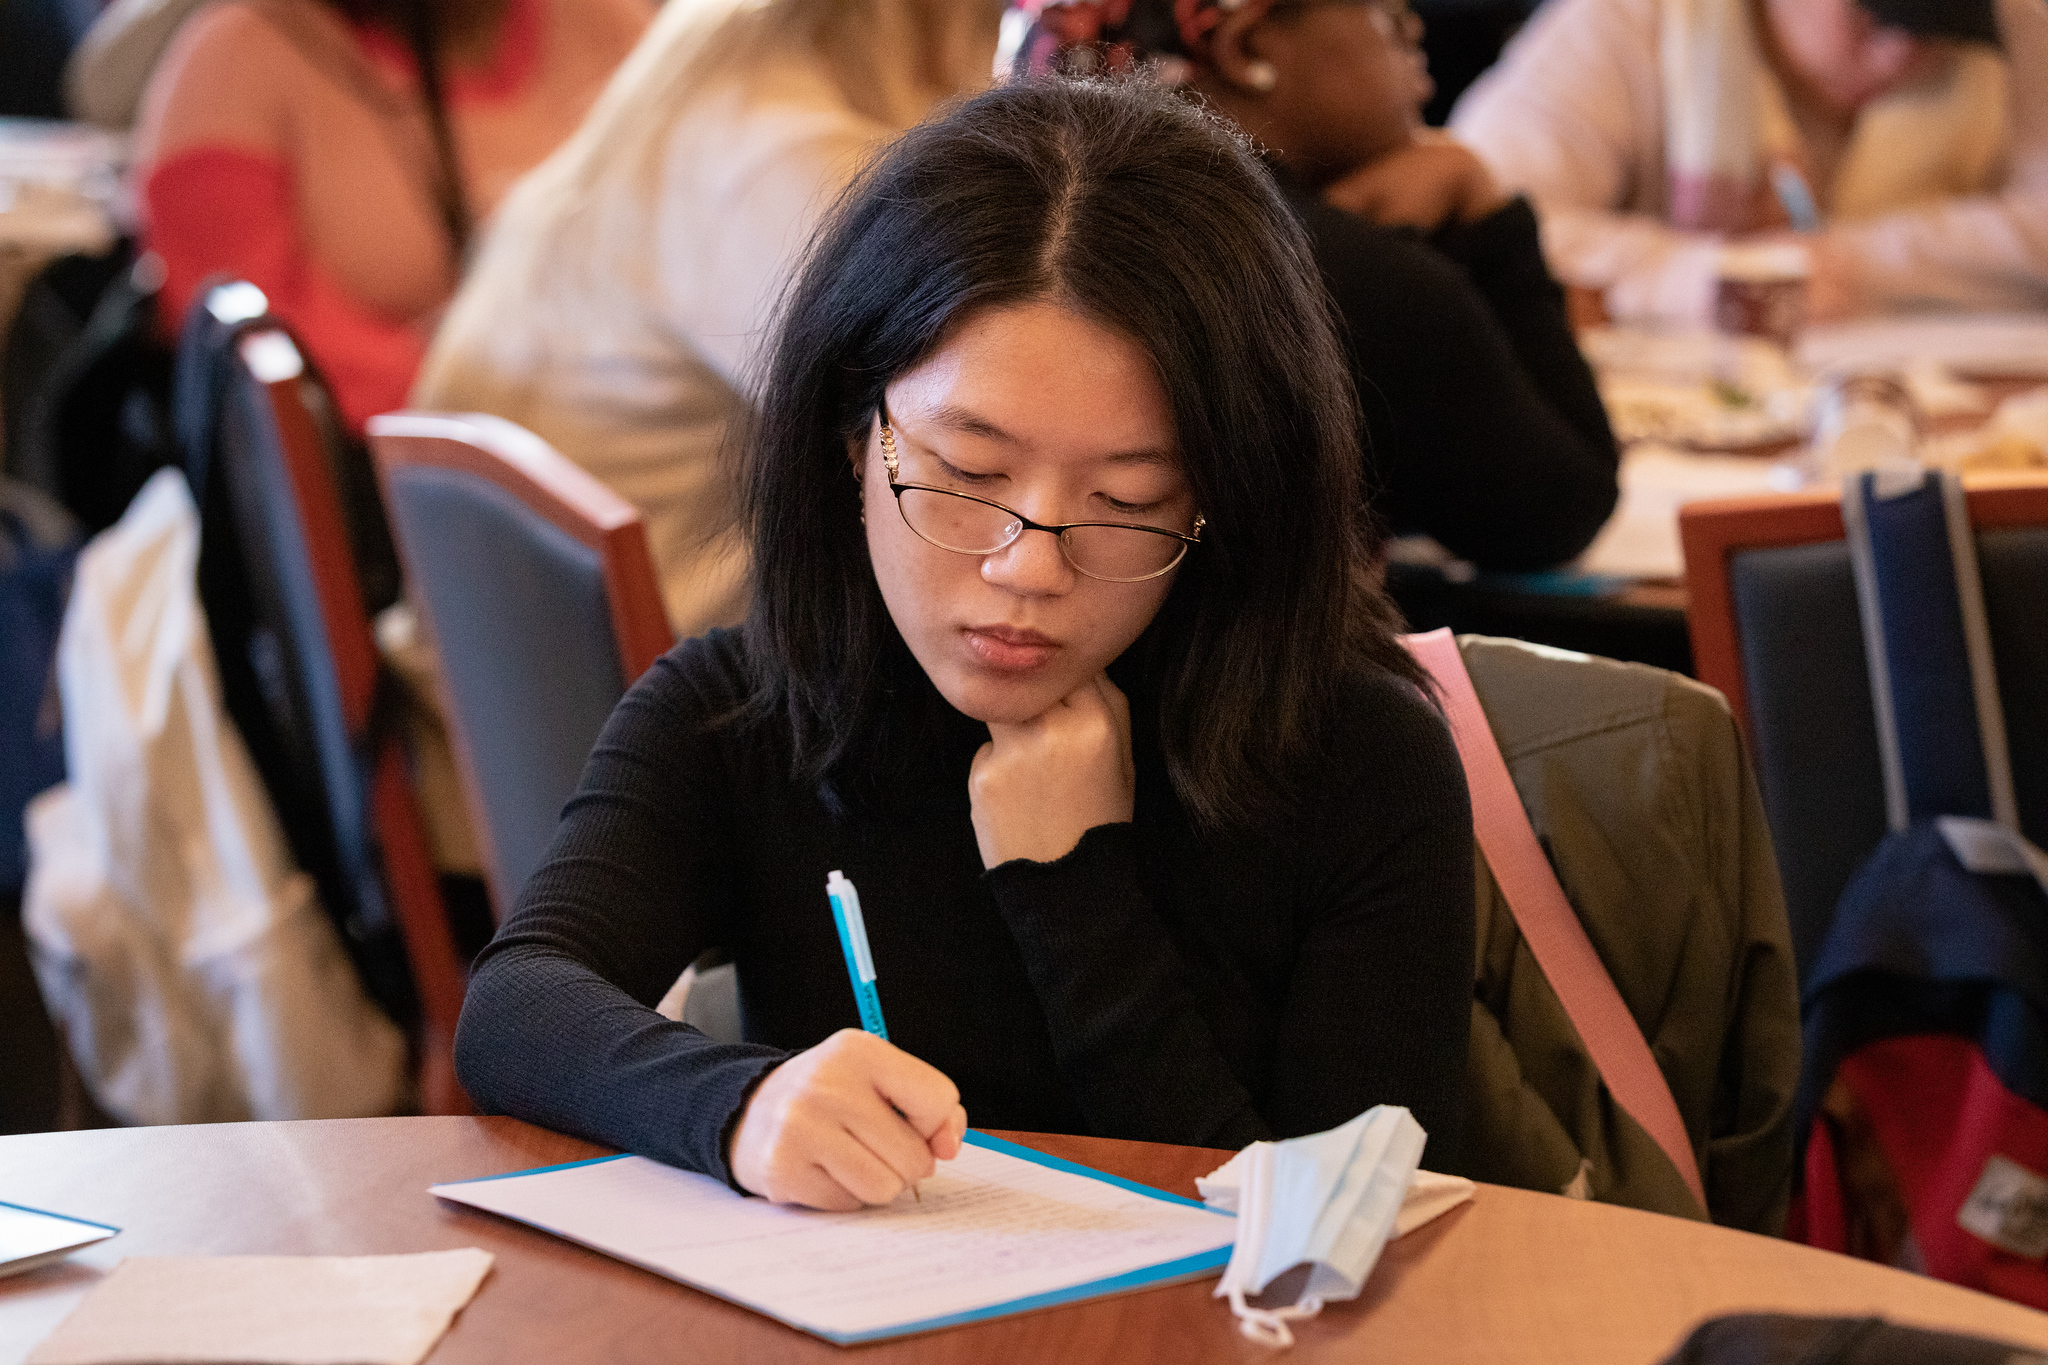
1008 648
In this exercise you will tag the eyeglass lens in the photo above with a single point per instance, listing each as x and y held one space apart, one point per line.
1115 553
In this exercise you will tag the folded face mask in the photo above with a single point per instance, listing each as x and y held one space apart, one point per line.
1328 1200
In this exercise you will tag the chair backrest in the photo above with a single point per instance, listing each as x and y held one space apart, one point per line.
535 584
1775 627
282 597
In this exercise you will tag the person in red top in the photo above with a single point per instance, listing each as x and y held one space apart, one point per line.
337 155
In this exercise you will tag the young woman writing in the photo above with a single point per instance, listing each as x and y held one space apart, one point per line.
1065 648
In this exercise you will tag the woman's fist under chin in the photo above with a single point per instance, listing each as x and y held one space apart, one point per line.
1036 787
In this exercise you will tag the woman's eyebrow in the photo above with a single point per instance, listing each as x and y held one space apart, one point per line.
966 421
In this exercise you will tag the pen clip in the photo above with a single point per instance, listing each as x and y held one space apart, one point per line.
846 903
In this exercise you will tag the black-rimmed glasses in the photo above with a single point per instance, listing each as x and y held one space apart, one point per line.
1111 551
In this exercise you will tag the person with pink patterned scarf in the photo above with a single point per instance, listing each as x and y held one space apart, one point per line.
1906 139
1483 426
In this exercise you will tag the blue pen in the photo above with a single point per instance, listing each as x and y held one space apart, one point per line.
853 940
860 963
1795 196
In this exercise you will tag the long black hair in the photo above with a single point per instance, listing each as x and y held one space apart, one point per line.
1147 214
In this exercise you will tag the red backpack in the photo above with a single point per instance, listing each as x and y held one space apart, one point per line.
1924 1101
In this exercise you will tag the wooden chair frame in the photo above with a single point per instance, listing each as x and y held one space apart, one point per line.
274 361
527 468
1713 533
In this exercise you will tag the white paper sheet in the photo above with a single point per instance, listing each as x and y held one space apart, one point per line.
996 1231
31 1237
268 1310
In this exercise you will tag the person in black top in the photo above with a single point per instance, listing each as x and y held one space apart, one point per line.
1065 646
1483 425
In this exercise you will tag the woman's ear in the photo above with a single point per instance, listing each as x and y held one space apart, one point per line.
1234 50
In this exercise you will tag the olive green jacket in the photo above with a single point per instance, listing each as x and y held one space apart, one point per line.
1637 784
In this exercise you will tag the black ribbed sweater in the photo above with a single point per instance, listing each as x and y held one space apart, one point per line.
1155 983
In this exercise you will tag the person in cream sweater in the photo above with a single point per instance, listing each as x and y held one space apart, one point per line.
618 300
1648 131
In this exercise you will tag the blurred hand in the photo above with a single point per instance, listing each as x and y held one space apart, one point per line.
852 1121
1038 786
1423 184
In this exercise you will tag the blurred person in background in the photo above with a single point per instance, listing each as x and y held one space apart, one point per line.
339 153
1483 426
1909 138
619 299
109 70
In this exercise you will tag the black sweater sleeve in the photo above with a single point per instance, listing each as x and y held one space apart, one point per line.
1376 997
557 1028
1486 429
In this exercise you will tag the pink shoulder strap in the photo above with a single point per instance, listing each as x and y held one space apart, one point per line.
1548 923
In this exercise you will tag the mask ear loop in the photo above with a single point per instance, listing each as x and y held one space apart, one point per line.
1268 1326
1265 1326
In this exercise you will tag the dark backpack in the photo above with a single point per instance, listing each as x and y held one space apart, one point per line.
269 644
88 384
1924 1100
38 547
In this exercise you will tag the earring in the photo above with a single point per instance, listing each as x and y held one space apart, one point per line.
1261 76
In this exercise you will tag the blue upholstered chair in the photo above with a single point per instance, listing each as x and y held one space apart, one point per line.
534 582
298 662
1775 627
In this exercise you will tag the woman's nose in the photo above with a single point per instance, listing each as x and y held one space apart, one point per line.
1032 565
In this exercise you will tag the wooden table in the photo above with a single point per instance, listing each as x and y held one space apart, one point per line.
1512 1277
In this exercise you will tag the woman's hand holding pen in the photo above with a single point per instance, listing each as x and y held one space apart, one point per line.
1037 786
850 1122
855 1119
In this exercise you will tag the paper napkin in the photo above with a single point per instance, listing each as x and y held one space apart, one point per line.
1430 1196
268 1310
